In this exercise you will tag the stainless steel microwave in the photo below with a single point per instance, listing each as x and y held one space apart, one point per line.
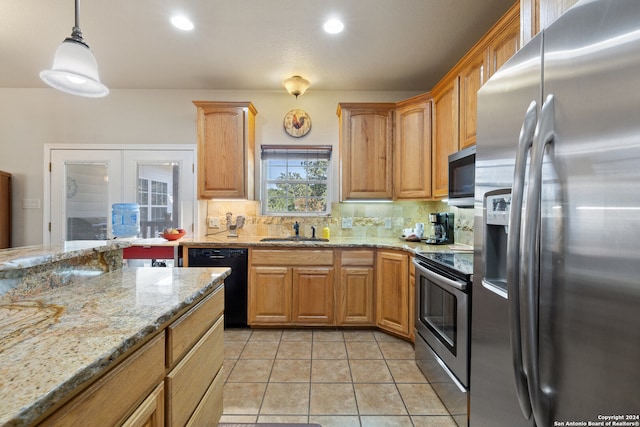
462 177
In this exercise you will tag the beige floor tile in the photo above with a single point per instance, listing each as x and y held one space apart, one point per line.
232 349
260 350
294 350
358 336
227 367
297 335
327 335
238 419
237 334
370 371
288 371
286 399
386 421
329 350
363 350
382 336
406 371
379 399
251 371
265 335
397 350
332 399
420 399
330 371
243 398
433 421
335 420
285 419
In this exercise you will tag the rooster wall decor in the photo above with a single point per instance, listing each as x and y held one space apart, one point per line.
297 123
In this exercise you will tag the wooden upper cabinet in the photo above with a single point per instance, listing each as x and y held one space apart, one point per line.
536 15
226 149
445 133
507 41
366 138
412 149
472 77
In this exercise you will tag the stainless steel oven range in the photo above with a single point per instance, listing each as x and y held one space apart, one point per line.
443 308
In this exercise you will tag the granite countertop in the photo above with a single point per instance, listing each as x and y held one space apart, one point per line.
338 242
31 256
54 341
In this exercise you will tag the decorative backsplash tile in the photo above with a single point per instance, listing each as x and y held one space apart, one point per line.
368 219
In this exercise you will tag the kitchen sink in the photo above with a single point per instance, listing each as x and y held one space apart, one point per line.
293 239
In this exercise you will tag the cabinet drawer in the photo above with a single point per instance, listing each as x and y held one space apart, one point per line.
294 257
209 410
357 258
185 332
109 400
189 381
150 413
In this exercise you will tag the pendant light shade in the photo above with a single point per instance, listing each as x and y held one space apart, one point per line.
75 70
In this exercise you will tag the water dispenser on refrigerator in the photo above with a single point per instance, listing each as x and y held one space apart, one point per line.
497 206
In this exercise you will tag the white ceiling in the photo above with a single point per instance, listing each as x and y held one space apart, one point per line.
387 45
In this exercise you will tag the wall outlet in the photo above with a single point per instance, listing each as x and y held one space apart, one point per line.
347 222
387 223
213 222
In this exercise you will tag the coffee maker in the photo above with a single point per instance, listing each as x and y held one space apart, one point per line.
442 223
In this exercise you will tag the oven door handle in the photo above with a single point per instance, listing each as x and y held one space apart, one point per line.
440 280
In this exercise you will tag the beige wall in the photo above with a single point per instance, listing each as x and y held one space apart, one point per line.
30 118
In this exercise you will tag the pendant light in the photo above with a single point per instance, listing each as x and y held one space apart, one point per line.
75 70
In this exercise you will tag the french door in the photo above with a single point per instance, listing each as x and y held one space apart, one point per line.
84 183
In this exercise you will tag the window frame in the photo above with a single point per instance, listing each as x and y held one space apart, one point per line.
300 153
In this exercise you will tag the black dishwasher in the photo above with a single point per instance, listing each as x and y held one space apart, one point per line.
235 286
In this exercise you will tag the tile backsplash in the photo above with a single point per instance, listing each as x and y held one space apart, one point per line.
369 219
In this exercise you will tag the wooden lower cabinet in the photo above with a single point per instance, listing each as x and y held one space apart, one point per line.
291 287
412 300
392 292
355 289
138 391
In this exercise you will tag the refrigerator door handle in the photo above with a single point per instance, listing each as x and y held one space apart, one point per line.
544 135
525 141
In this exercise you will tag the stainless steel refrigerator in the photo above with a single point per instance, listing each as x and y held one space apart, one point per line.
556 292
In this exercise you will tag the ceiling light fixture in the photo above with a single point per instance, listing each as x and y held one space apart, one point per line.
75 70
333 26
181 22
296 85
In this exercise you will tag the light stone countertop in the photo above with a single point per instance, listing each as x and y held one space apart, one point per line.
222 240
52 342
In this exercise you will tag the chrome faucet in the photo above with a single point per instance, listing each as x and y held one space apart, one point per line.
313 231
296 228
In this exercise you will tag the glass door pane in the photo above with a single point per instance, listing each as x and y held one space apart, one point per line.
84 185
164 186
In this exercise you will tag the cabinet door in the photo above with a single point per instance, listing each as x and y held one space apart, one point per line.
226 150
366 138
445 140
536 15
355 296
151 412
313 295
412 300
505 45
392 292
269 295
472 78
412 151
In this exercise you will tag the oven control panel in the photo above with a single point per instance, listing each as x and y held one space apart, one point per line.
498 207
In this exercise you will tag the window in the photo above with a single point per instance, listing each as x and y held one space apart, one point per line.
295 180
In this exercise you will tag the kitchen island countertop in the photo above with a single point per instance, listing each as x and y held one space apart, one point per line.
60 339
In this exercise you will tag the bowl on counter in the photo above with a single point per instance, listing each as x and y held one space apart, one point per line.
173 236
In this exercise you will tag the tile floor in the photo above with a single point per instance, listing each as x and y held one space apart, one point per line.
330 377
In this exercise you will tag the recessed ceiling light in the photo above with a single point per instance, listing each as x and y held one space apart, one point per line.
333 26
182 22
